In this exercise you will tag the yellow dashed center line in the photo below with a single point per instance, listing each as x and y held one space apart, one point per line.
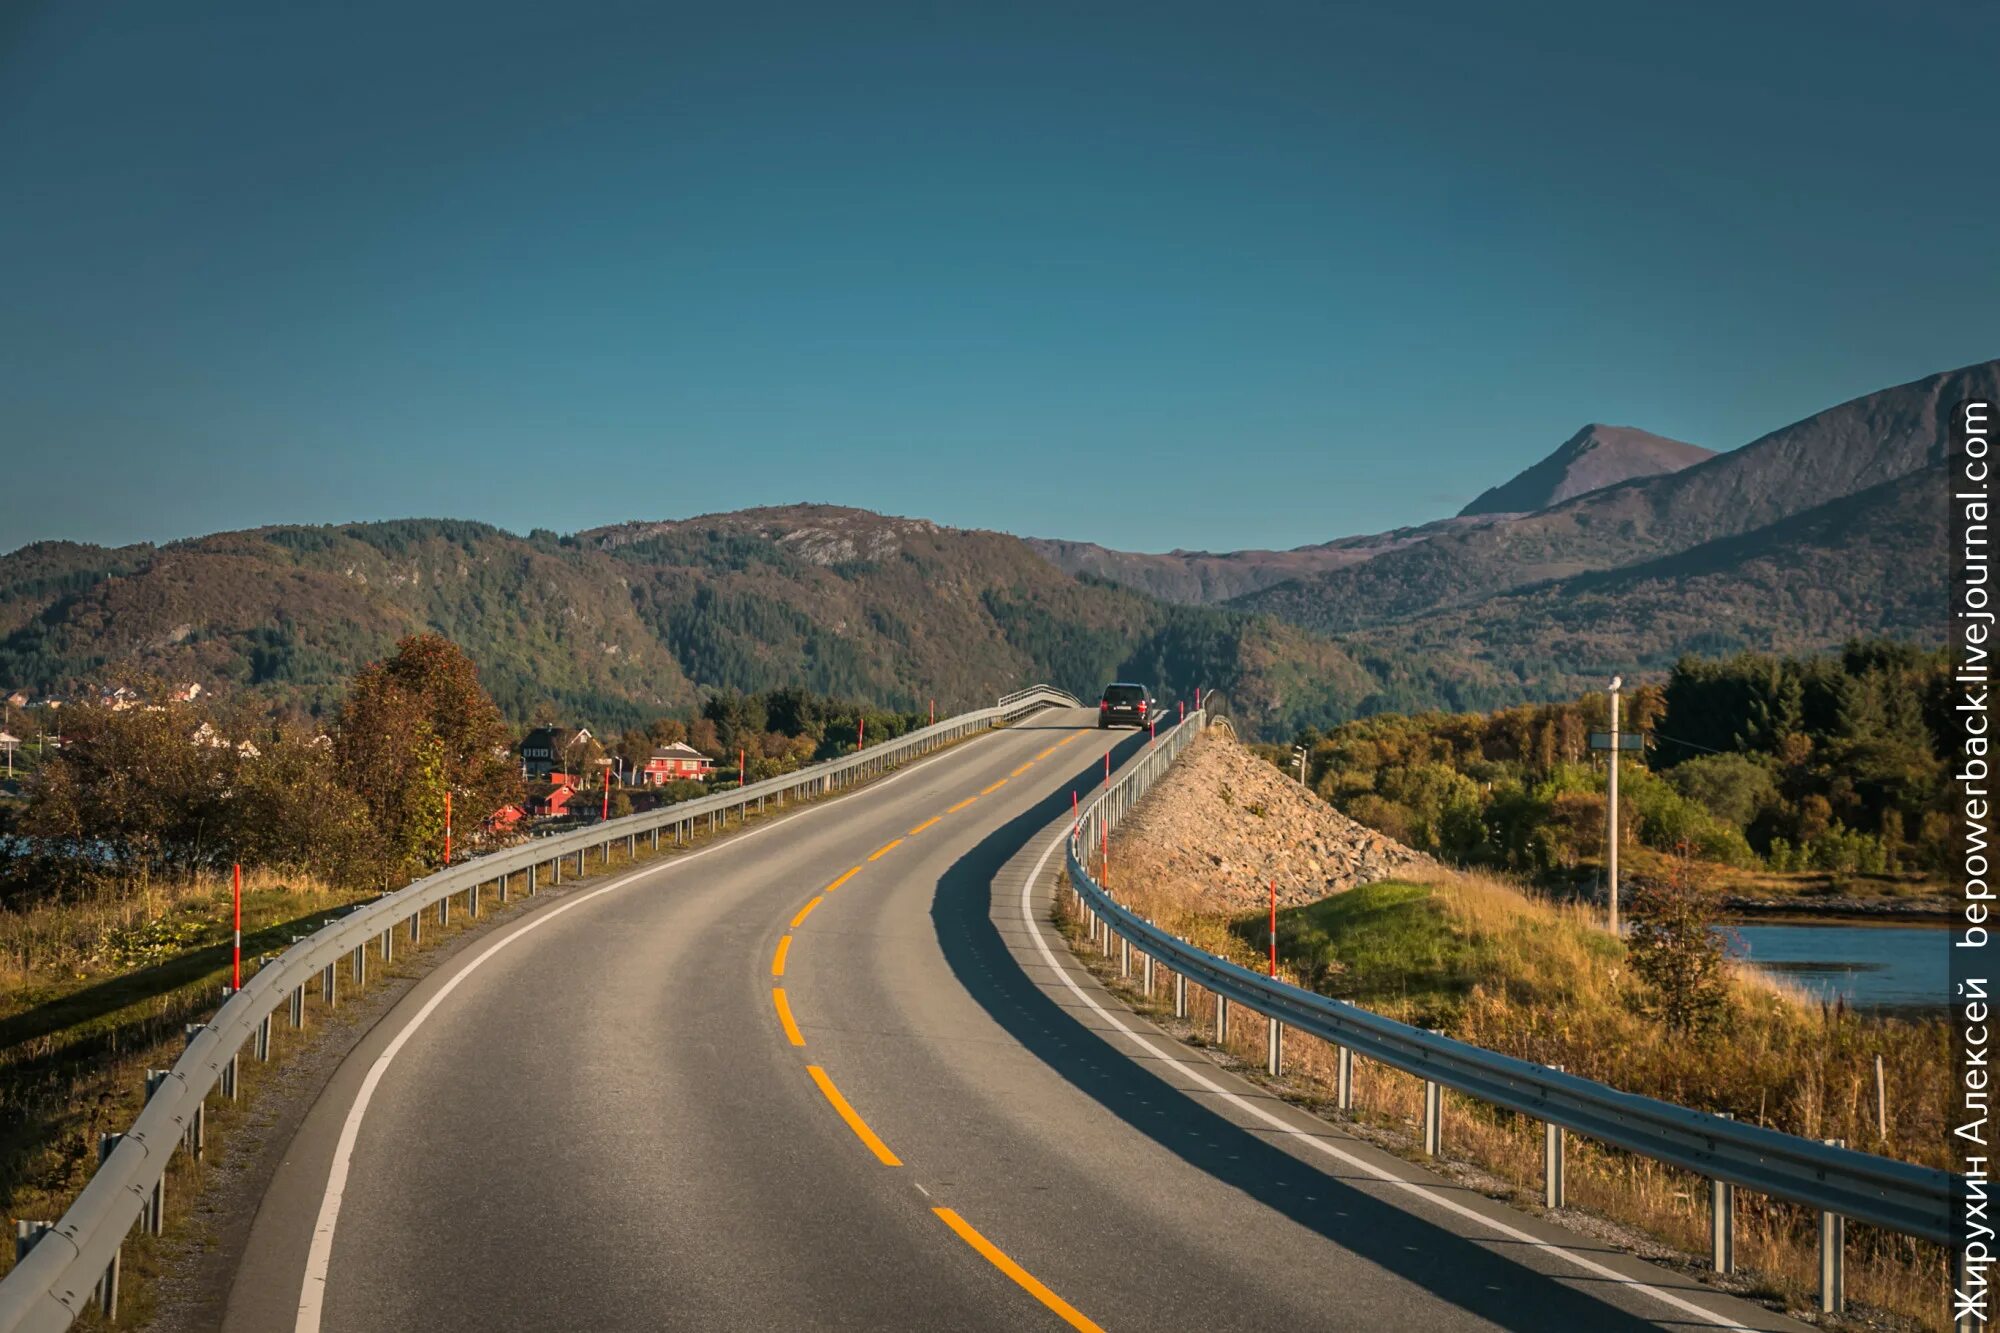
854 1122
926 824
885 849
843 879
984 791
778 958
1028 1283
1022 769
785 1016
1073 736
1046 753
806 911
961 805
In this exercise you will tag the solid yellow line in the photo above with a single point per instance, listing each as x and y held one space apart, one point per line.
995 787
785 1015
854 1122
1046 753
778 958
926 824
843 879
806 911
961 805
1022 769
1069 1314
884 849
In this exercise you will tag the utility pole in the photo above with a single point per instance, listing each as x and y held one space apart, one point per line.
1299 760
1611 788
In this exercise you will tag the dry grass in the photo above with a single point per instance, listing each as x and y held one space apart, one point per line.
1482 960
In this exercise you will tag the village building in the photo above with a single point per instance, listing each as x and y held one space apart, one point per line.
679 762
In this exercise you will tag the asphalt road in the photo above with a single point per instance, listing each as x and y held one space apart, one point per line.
601 1118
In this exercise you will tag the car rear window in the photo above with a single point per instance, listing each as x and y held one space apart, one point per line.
1123 694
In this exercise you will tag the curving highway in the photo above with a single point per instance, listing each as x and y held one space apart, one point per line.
839 1073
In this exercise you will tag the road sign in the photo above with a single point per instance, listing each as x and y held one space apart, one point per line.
1627 740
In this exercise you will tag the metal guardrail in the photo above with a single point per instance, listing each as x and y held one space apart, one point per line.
71 1263
1838 1182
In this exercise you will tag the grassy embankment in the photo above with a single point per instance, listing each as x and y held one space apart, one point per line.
1478 959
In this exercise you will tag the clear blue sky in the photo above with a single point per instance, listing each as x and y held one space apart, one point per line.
1306 270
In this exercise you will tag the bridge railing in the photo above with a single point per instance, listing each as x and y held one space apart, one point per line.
1839 1182
76 1261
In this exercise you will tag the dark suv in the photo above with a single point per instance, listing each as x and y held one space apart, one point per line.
1124 702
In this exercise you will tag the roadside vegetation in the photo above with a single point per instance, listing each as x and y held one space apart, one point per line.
1496 963
1790 778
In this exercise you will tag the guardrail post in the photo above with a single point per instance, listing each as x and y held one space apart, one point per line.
1124 958
472 902
1554 1193
1221 1019
360 966
26 1233
444 910
197 1131
229 1076
1722 1221
1146 967
1274 1053
328 986
298 1006
501 885
1343 1078
1832 1255
1433 1118
262 1046
107 1286
1180 996
388 945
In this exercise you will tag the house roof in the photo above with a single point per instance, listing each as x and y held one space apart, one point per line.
680 750
555 736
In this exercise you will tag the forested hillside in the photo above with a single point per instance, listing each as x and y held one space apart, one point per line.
623 624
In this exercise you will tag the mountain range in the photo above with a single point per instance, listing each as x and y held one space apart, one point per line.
1635 549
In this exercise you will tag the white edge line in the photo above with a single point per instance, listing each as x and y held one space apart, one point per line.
319 1255
1155 1051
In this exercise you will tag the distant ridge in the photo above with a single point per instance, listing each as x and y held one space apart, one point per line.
1595 457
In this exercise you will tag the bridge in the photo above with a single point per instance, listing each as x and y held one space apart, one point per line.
838 1069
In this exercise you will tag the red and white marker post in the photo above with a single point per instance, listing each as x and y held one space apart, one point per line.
739 768
236 954
606 812
933 712
447 827
861 734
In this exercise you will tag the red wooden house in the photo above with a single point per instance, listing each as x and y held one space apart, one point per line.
676 763
551 803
